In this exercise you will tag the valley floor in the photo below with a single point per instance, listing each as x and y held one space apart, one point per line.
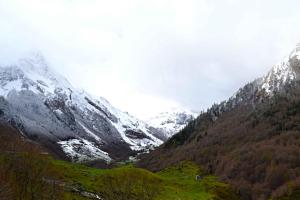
27 172
127 182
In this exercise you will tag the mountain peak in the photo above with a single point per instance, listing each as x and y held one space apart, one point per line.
295 52
35 61
31 72
283 72
298 47
45 104
172 120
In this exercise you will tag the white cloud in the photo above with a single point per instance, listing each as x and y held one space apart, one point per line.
150 55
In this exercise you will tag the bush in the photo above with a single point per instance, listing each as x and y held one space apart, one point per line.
133 184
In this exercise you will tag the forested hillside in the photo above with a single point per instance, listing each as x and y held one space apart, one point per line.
256 148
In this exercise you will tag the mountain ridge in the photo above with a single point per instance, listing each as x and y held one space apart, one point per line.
262 88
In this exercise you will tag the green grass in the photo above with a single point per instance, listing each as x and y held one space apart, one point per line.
128 182
180 183
125 182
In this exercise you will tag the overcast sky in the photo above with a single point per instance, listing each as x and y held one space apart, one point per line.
146 56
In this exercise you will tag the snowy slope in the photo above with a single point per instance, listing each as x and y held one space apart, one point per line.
282 73
265 87
172 121
46 107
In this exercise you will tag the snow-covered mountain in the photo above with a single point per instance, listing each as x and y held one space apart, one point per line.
45 107
252 93
282 73
172 121
280 76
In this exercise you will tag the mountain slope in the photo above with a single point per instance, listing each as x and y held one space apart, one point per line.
44 106
172 121
263 88
252 140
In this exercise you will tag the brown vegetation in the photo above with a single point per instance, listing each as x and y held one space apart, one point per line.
256 149
25 172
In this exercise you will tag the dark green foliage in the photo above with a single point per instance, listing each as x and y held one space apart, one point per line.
200 124
182 136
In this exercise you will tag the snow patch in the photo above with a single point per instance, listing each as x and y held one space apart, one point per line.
280 74
89 132
81 150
